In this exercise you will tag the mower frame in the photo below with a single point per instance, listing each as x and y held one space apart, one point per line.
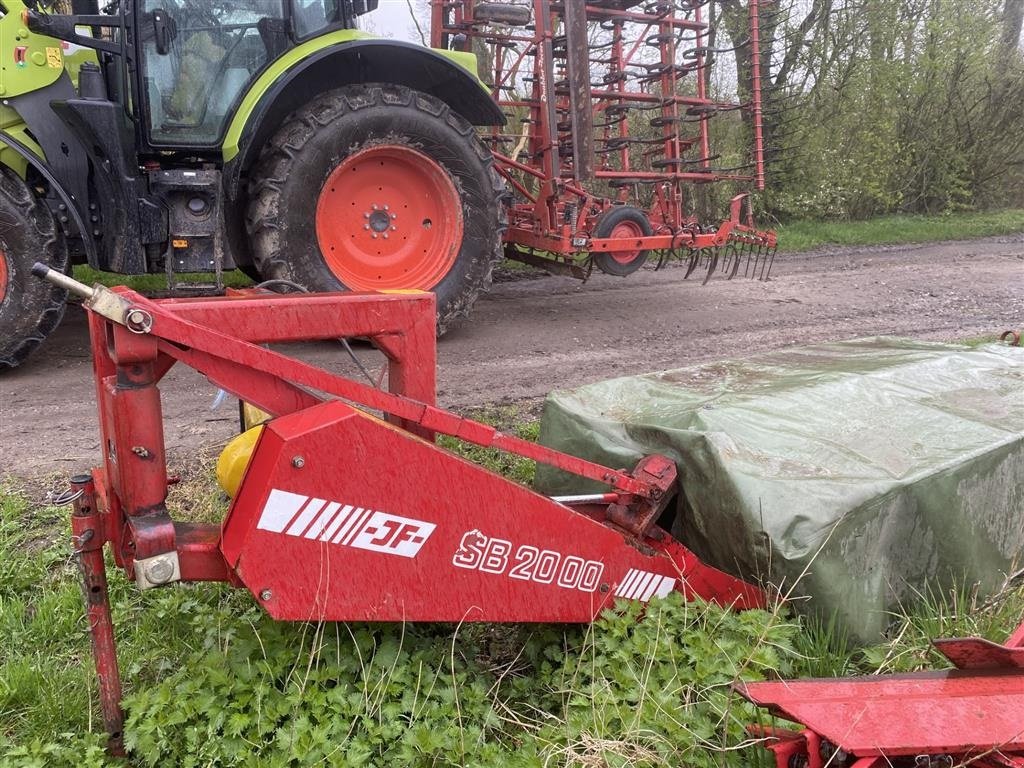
497 551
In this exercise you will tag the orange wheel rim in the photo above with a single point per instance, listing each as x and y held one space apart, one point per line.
3 274
389 217
626 230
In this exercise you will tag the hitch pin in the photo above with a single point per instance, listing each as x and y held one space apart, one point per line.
99 299
61 280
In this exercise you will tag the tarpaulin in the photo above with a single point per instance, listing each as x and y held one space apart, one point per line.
859 474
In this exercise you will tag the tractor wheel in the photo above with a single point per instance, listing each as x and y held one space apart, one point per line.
30 308
628 223
378 187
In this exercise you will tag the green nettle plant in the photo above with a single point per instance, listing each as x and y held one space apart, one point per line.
639 688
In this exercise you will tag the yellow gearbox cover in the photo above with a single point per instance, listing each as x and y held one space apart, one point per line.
235 458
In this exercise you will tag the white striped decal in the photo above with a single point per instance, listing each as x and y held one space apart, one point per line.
322 520
644 585
627 583
361 516
337 522
279 510
329 521
311 510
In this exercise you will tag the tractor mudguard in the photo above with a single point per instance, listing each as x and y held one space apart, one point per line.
347 57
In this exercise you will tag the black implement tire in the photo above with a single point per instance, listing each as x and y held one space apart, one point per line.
30 308
626 222
502 13
302 228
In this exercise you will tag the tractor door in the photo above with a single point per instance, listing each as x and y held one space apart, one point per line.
198 58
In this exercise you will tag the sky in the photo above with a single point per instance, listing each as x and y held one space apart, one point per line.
392 19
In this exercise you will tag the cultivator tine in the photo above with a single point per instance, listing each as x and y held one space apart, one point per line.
734 255
695 257
763 258
755 255
712 264
752 254
770 259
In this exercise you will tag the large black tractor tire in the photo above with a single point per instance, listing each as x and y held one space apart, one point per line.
376 187
30 308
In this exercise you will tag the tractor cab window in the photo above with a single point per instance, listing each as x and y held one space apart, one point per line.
198 58
312 16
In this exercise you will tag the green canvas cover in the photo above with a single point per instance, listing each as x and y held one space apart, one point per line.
859 474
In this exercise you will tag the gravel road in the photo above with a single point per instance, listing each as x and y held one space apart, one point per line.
529 336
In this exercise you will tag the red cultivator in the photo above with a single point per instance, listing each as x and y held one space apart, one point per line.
610 113
972 715
343 515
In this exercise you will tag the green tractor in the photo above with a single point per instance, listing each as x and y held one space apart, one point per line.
269 136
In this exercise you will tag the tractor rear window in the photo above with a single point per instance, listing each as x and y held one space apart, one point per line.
312 16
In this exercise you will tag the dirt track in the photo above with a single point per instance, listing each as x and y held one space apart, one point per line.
532 335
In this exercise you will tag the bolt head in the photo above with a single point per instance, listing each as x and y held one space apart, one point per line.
266 594
160 571
298 462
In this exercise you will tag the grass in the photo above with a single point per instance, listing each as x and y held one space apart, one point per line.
898 229
156 283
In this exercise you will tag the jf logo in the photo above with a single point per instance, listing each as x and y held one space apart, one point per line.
294 514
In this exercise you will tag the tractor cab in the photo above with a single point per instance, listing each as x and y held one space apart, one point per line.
198 57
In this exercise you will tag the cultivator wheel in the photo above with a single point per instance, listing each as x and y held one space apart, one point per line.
29 309
378 187
623 223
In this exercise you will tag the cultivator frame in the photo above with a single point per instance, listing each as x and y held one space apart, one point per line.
344 515
570 84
